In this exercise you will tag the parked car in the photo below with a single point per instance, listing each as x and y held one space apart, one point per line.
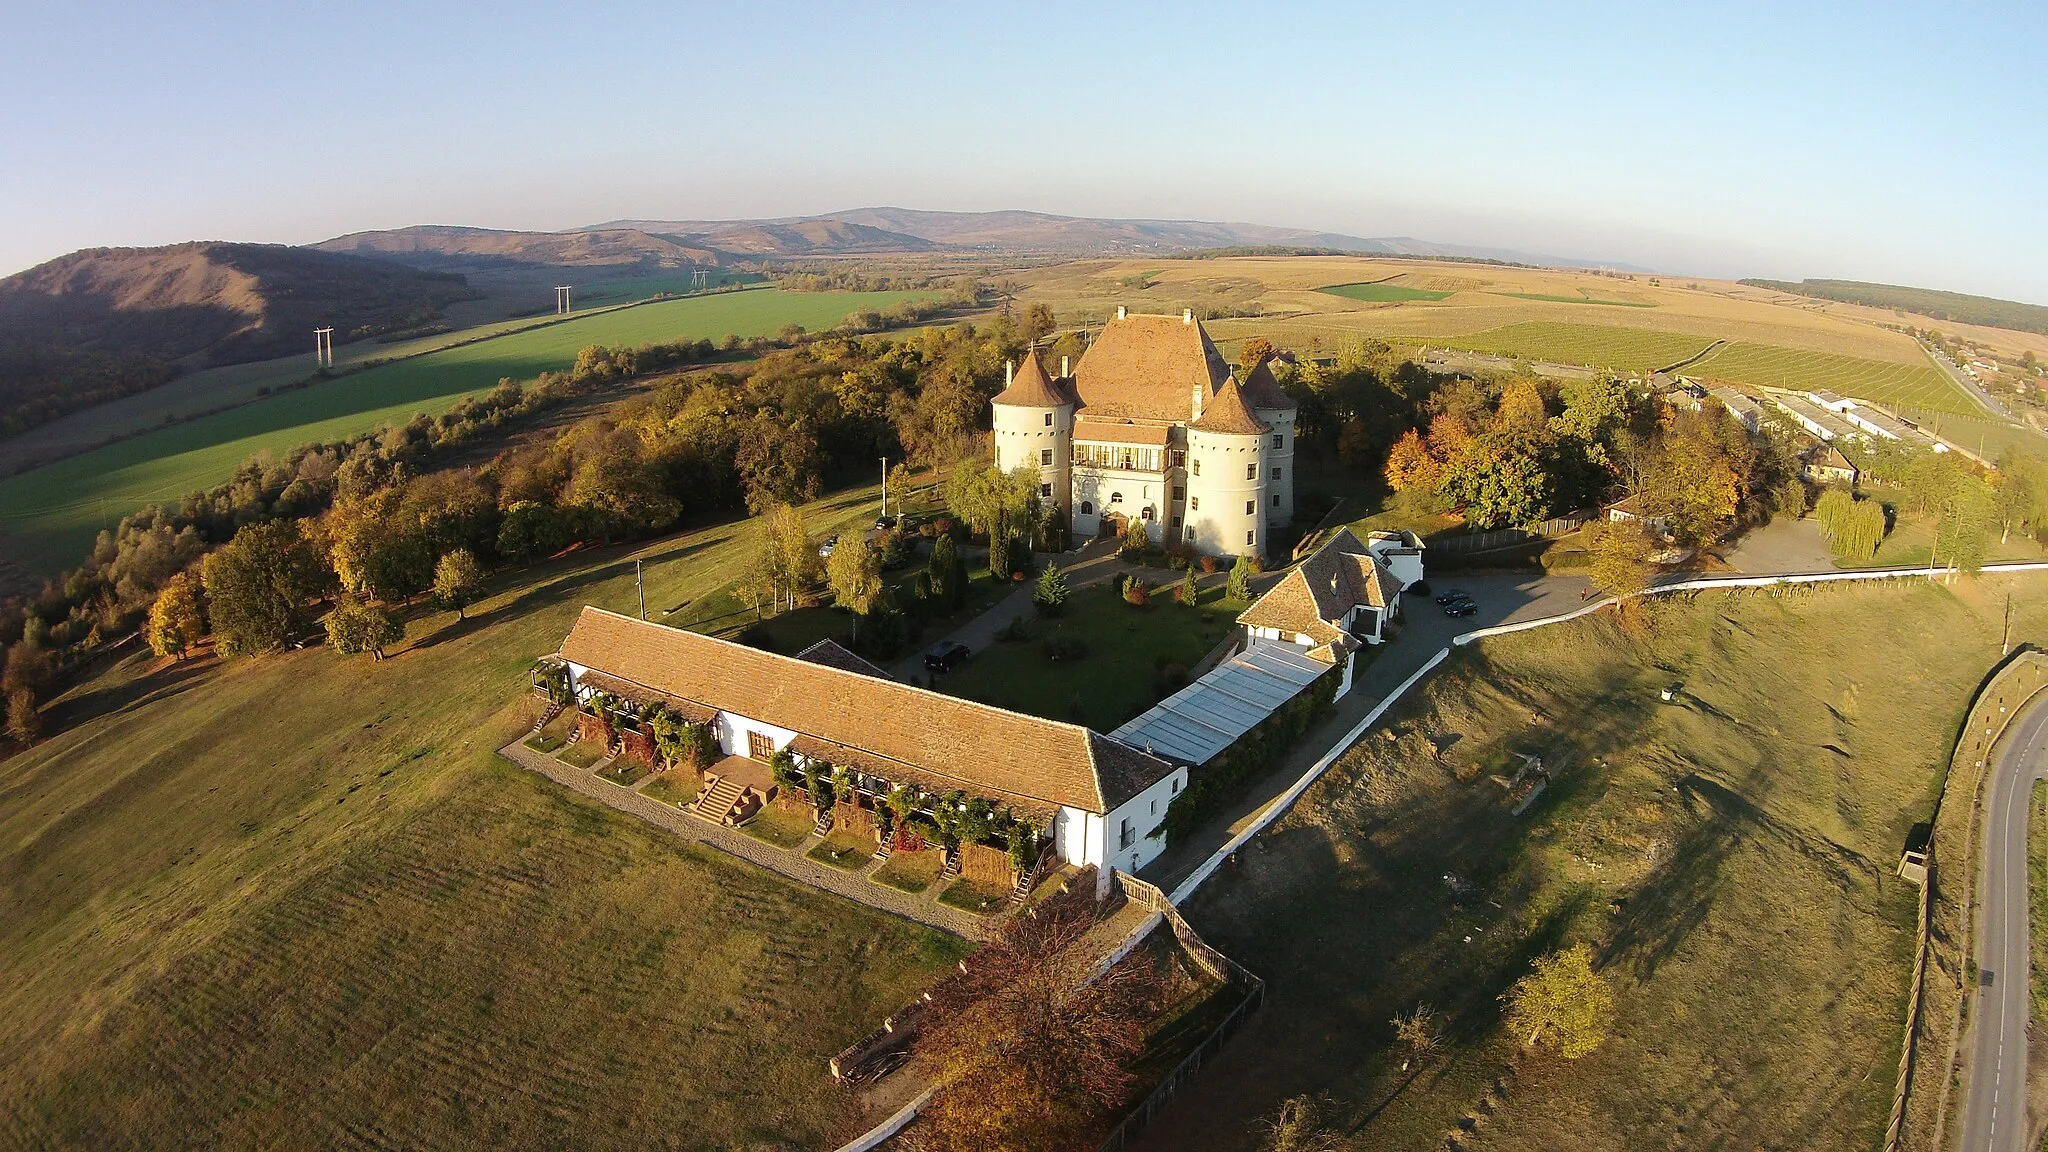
884 523
825 549
945 657
1461 608
1452 594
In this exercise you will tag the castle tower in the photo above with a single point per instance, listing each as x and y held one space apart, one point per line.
1227 482
1273 407
1034 425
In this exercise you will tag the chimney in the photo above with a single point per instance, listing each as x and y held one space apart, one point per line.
1064 373
1121 312
1187 315
1009 370
1201 394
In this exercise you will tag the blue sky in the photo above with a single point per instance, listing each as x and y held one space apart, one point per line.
1892 143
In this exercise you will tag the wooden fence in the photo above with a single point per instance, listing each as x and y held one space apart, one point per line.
1509 537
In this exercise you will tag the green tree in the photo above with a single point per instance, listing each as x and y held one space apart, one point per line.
1963 525
784 562
855 574
1050 596
1499 479
1239 585
258 586
375 550
175 621
1190 591
1594 408
949 575
1135 541
1564 999
355 627
530 531
458 580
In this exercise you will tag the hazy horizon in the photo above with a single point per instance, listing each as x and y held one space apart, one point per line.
1751 141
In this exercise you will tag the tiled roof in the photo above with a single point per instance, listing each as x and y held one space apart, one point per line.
1261 390
1147 368
986 750
1119 432
1313 598
832 654
1030 387
1227 414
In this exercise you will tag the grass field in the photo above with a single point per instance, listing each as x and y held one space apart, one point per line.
2037 899
1380 292
49 515
1582 299
1618 349
1918 386
298 902
1730 857
1118 677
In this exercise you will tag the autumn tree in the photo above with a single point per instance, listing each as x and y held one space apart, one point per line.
355 627
1522 409
1499 479
259 585
530 531
24 723
1030 1046
1038 322
779 462
1620 555
1562 1000
783 561
374 551
1254 352
855 574
458 580
175 620
1411 465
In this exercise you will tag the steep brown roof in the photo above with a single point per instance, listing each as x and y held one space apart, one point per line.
833 654
1030 387
1261 390
982 749
1147 368
1227 413
1120 432
1311 599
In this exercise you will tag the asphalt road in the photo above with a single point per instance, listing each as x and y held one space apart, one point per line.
1995 1114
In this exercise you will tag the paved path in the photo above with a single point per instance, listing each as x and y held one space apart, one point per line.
921 907
1995 1113
1967 383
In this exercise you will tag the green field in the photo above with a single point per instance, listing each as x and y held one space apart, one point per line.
1730 858
298 902
1917 386
1595 345
1381 292
1579 300
49 515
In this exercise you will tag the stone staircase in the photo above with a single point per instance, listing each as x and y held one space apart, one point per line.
721 802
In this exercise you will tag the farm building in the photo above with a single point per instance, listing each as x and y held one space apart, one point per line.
1630 511
1150 427
1825 464
1334 602
1740 407
1096 798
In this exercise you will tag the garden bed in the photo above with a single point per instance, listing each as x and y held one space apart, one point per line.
677 786
975 896
546 742
625 772
844 850
779 827
910 871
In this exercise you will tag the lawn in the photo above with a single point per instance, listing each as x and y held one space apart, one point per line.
625 772
780 826
1918 387
2037 897
582 754
1127 653
1730 857
51 513
298 902
677 787
842 849
909 871
1595 345
974 896
1381 292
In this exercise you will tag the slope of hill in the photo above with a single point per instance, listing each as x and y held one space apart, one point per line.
1956 307
814 237
450 246
105 322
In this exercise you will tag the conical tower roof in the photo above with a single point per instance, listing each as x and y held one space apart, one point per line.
1030 387
1261 390
1227 413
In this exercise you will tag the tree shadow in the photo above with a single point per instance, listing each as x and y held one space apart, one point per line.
141 689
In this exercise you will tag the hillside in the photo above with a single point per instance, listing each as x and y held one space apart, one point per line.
105 322
457 248
1955 307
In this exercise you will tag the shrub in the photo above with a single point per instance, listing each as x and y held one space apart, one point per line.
1064 649
1240 585
1050 597
1190 590
1136 594
1014 632
1207 563
355 627
1135 542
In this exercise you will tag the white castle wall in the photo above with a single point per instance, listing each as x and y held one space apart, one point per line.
1219 494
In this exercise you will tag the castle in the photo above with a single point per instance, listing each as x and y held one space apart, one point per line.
1151 426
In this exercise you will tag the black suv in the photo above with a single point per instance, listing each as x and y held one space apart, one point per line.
945 657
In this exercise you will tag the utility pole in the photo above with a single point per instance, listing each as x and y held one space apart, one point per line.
885 487
2005 648
641 586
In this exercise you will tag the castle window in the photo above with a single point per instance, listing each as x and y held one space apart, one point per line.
1146 514
1044 456
1251 471
1116 497
1276 475
1251 538
1180 492
1194 503
1046 490
1191 534
1087 508
1198 465
1176 522
1276 497
1250 506
1279 441
1048 419
1176 459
